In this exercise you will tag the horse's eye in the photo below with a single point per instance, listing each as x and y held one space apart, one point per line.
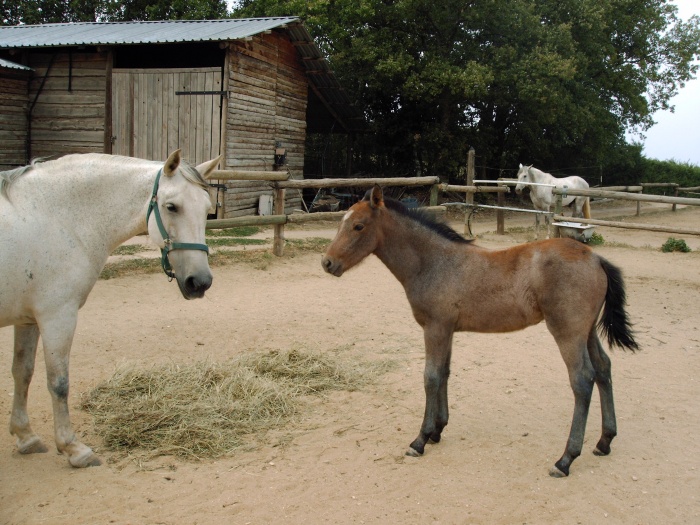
171 207
359 227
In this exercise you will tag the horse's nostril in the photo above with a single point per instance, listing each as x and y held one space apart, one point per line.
197 285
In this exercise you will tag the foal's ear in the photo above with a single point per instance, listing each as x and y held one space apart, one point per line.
173 162
206 168
376 198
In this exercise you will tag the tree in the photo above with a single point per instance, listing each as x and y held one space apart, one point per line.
556 82
52 11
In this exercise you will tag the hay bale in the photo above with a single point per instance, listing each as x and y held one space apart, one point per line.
208 409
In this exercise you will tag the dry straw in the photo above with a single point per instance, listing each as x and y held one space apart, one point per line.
209 409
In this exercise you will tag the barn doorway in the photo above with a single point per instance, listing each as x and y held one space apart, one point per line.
156 111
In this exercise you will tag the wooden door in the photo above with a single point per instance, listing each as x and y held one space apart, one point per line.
156 111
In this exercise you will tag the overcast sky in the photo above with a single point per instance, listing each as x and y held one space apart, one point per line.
676 136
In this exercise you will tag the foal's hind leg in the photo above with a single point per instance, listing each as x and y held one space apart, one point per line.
603 378
438 351
581 377
26 339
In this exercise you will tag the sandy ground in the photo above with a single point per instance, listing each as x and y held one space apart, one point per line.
344 461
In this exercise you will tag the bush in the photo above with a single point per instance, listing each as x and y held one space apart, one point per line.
675 245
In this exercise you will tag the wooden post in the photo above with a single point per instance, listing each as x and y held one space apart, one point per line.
434 189
639 204
675 194
278 209
500 217
469 198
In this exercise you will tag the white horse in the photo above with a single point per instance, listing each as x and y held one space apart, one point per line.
542 197
59 222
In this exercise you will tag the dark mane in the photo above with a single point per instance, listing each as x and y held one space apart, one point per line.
426 219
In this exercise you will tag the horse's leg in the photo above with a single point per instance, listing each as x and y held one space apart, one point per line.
603 378
548 222
581 378
57 336
438 351
26 339
537 226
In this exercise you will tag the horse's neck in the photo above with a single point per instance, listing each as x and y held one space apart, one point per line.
102 209
540 176
407 247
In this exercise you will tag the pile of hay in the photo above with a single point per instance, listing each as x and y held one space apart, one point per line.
207 409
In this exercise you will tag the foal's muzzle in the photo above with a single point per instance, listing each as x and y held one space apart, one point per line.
334 268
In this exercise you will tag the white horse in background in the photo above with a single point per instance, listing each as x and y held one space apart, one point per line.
542 197
59 222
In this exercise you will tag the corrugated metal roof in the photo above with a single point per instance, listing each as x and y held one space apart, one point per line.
320 75
154 32
12 65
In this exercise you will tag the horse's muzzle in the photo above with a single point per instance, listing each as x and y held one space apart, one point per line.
194 286
334 268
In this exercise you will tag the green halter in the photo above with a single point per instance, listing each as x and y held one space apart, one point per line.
169 244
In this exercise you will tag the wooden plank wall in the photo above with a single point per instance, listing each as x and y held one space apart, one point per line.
267 104
14 104
69 114
150 121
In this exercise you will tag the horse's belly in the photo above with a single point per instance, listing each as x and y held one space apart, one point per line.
497 318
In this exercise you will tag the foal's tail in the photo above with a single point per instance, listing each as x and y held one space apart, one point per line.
587 208
614 323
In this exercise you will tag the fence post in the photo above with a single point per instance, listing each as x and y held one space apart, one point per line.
469 198
639 204
675 194
278 209
500 217
434 189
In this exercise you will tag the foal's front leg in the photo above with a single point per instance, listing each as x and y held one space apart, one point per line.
26 339
438 351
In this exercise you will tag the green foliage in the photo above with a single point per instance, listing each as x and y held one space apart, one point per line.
596 239
14 12
669 171
554 83
675 245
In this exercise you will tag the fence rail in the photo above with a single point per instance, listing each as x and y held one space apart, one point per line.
280 182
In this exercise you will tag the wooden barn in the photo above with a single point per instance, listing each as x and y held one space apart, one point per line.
14 105
250 89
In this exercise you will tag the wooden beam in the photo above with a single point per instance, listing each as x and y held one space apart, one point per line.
629 225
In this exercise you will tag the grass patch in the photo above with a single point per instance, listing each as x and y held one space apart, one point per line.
238 231
208 410
130 267
130 249
596 239
235 241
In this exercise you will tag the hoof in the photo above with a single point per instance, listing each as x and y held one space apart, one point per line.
413 453
33 445
601 450
556 473
85 460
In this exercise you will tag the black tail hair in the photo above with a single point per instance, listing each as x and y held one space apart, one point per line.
614 323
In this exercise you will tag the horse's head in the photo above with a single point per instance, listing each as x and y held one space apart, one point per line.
180 206
358 234
523 176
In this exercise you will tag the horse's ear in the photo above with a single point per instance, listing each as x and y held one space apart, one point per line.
172 163
206 168
521 166
376 198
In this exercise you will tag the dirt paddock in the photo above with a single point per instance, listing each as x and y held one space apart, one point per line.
343 461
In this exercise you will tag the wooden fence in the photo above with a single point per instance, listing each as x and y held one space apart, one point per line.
279 183
638 197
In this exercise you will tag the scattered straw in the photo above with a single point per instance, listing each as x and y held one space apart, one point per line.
207 409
